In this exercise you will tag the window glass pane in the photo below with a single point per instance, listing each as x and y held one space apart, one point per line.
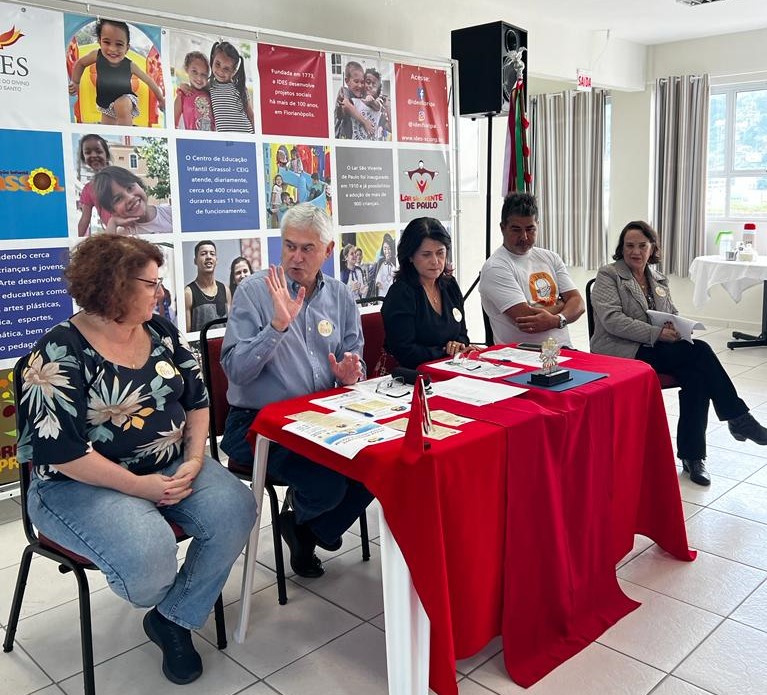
715 196
748 195
717 124
750 130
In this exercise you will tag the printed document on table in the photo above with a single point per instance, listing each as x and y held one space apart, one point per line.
367 405
449 418
344 434
684 326
526 357
464 389
437 431
482 370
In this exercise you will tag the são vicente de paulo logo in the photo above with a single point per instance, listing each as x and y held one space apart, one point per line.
421 178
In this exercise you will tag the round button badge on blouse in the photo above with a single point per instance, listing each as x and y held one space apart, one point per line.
165 370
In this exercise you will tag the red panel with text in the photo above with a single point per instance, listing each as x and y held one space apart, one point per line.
294 95
422 104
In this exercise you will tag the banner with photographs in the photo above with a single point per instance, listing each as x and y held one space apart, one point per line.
201 143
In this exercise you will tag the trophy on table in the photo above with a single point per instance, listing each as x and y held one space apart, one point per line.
551 373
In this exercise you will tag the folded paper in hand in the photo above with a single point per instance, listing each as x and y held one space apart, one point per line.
683 326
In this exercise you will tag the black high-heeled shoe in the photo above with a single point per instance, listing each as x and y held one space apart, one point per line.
746 427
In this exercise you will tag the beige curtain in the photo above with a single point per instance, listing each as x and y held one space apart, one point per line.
567 167
681 144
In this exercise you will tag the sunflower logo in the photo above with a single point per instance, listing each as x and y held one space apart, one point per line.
42 181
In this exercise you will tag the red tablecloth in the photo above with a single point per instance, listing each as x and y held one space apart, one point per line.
515 526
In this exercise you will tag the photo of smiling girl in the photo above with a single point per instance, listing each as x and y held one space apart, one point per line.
116 100
124 195
192 108
93 152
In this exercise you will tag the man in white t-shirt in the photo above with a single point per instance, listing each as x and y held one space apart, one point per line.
526 291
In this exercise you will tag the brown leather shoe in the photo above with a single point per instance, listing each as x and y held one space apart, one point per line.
697 470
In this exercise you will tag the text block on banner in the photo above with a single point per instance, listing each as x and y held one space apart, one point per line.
294 91
217 183
422 105
365 185
34 297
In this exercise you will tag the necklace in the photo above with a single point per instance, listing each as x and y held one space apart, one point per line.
207 289
644 285
434 298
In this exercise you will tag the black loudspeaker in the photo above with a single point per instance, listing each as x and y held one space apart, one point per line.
485 73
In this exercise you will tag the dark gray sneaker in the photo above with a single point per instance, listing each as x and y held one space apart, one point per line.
746 427
180 661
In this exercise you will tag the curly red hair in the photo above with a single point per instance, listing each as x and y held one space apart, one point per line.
102 269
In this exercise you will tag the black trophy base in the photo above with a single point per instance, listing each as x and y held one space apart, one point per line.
558 376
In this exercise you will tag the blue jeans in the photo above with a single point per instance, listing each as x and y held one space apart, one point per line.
130 541
326 501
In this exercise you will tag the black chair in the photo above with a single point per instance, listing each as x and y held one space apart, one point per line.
667 381
217 383
68 561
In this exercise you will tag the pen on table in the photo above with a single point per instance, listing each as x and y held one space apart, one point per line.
357 410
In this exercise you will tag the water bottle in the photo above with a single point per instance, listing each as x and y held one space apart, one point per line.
749 234
725 242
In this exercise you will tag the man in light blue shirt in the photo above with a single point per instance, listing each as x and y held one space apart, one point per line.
293 331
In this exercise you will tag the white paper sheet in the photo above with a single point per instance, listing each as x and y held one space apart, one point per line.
464 389
684 326
475 368
344 434
526 357
368 405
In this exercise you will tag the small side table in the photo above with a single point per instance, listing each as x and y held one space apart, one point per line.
735 277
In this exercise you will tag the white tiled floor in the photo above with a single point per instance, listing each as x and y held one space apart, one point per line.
702 626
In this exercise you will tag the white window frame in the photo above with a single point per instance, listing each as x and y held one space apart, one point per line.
729 173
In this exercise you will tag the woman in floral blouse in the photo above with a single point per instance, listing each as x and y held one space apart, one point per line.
116 419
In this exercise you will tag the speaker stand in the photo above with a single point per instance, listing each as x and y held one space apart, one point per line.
488 215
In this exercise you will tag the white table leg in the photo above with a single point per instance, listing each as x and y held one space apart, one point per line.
251 550
407 625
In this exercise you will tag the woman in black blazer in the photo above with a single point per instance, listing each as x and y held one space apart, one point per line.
423 310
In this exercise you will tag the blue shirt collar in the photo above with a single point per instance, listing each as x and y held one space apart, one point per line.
294 285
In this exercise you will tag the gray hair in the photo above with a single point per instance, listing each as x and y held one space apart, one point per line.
308 216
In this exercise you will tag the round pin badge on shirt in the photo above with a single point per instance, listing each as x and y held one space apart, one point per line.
165 370
457 315
324 328
660 291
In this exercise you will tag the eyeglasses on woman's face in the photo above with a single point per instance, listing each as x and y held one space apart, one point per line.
156 284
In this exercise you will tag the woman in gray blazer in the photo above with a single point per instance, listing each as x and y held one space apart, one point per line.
621 295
